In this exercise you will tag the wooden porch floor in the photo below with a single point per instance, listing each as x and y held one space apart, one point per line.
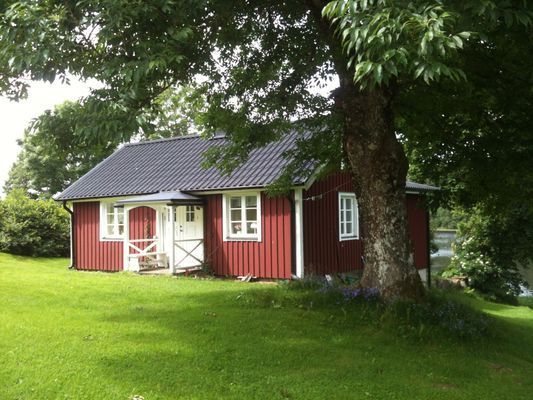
166 271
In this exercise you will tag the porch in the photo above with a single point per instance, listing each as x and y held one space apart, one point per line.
163 231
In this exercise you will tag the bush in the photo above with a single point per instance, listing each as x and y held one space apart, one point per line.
488 252
33 227
438 317
440 313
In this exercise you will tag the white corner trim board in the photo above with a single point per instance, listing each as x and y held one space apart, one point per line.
299 232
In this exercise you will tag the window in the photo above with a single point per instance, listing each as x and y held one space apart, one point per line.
111 221
348 217
189 214
242 216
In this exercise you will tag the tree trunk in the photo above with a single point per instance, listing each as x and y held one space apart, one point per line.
379 169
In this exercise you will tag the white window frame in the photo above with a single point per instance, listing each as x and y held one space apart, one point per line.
104 236
228 236
190 214
355 217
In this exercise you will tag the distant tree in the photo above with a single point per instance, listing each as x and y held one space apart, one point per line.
53 155
445 218
177 111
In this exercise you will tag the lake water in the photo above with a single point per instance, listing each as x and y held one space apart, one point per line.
444 239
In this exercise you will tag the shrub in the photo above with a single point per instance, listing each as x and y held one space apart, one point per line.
439 316
308 282
33 227
488 252
439 313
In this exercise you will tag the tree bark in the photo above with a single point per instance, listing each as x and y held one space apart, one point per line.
378 167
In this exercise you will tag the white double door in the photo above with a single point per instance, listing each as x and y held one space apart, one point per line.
188 236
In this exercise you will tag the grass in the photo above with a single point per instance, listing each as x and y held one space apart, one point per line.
79 335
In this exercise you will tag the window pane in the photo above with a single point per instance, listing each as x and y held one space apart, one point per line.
120 217
109 208
189 214
251 228
349 216
110 219
110 230
348 201
235 202
251 201
251 215
342 229
121 230
235 215
349 228
236 228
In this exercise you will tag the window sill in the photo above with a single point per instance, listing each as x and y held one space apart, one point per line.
347 238
112 239
241 239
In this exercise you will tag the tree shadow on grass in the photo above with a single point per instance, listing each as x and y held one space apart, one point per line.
210 345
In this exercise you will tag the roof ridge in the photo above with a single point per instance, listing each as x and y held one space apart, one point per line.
183 137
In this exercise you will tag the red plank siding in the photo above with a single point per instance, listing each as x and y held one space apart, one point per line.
90 253
418 220
270 258
323 252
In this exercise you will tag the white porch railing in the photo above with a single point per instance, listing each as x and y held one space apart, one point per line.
184 253
146 249
154 258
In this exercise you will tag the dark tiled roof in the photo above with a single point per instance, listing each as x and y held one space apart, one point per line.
175 164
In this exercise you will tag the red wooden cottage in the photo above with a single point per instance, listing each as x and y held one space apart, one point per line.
151 204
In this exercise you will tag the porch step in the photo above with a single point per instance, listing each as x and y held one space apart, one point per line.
155 271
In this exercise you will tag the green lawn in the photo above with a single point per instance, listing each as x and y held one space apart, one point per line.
78 335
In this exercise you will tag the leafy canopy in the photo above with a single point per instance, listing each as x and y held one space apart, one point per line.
384 39
52 155
255 62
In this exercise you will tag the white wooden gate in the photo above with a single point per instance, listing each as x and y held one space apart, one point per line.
188 237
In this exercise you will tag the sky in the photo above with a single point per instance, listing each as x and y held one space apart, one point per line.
16 116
